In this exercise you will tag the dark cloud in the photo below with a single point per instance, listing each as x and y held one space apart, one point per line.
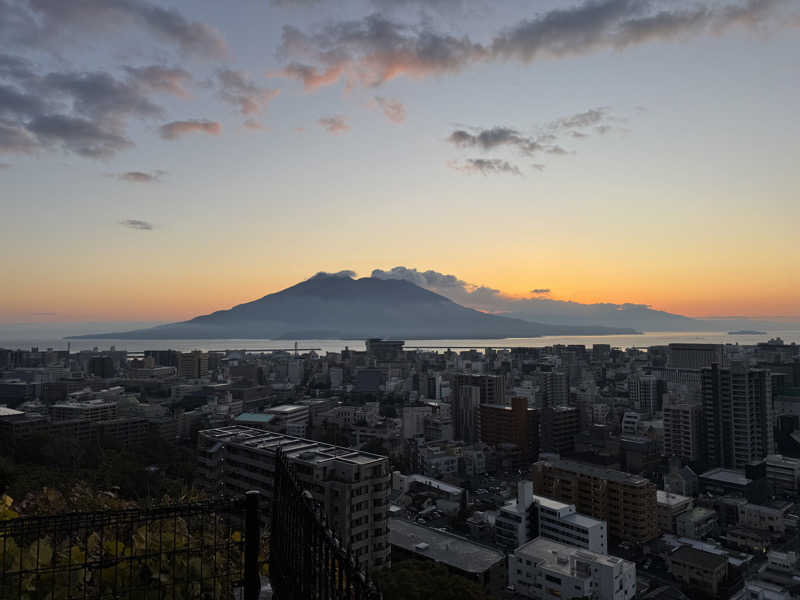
539 291
100 96
394 110
376 49
81 136
372 51
489 139
81 112
335 124
176 129
141 176
137 224
486 166
34 21
161 79
236 87
4 166
16 103
16 139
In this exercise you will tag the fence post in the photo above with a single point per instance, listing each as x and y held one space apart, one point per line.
252 543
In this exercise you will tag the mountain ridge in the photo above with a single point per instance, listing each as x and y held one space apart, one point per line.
348 308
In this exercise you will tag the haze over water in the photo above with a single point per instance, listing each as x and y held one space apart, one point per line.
658 338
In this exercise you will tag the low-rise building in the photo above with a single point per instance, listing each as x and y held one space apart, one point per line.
699 571
697 523
545 569
481 564
670 506
531 516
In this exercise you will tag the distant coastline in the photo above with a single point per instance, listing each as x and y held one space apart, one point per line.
747 332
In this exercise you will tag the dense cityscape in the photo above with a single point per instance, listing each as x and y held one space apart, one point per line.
569 471
399 300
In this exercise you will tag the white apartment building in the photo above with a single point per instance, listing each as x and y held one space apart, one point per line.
352 487
531 516
544 569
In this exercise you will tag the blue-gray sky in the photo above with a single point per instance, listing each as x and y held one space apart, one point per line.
163 160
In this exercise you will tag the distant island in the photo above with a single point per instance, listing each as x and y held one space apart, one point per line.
337 306
747 332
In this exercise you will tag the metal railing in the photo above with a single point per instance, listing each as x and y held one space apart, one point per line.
204 551
308 561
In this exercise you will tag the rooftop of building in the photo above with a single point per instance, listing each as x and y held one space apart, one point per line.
599 472
726 476
9 412
435 483
556 555
294 447
444 548
287 409
254 418
704 560
670 499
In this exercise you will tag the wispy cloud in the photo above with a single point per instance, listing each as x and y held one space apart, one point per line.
336 124
237 88
377 49
394 110
176 129
540 291
141 176
38 22
137 224
486 166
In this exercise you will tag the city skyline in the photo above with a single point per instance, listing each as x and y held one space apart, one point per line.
161 163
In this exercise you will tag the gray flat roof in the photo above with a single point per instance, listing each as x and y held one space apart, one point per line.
706 560
299 448
444 548
726 476
599 472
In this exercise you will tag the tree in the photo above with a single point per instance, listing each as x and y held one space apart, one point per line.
418 580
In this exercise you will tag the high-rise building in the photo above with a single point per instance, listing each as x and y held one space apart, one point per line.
626 502
351 487
737 411
492 388
560 425
516 424
645 392
556 389
695 356
102 366
465 409
683 427
192 365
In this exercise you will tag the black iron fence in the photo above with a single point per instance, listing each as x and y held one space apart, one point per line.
212 550
308 562
209 550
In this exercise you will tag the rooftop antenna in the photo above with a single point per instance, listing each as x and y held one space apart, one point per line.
295 348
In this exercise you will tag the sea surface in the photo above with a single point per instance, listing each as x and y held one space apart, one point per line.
659 338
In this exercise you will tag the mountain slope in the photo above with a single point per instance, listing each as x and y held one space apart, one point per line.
336 306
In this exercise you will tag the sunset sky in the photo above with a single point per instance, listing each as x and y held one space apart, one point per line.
163 160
